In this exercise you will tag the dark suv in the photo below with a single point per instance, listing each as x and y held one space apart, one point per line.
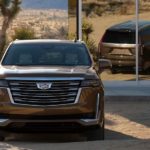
118 45
53 84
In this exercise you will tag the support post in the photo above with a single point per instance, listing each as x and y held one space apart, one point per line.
79 19
137 39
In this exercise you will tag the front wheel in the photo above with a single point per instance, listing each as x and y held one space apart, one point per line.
2 138
3 135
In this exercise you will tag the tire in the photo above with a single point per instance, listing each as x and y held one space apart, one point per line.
2 138
97 133
3 135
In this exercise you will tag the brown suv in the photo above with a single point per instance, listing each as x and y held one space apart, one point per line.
118 45
53 84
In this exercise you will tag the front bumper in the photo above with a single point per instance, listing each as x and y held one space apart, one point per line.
82 122
90 101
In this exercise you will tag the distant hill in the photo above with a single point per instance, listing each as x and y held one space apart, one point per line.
45 4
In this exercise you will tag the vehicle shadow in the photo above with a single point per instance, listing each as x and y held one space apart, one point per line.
113 135
62 137
44 141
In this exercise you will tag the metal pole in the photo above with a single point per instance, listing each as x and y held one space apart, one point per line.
137 40
79 19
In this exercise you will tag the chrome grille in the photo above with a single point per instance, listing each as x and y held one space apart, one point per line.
27 92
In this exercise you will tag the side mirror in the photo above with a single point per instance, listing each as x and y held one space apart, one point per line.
104 64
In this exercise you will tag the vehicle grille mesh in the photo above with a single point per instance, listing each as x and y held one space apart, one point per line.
27 92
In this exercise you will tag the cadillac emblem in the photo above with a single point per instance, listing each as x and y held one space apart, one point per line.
44 85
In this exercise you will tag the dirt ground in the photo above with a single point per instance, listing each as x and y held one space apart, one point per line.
127 127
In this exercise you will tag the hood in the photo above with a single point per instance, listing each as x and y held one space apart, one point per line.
26 71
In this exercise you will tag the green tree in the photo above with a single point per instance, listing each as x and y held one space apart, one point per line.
23 33
8 9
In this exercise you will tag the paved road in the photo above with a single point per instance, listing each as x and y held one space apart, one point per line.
127 127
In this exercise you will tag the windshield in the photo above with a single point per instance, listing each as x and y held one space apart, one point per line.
52 54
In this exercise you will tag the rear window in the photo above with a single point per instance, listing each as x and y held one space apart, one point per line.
119 37
53 54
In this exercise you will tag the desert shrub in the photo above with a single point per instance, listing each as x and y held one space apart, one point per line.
93 8
127 8
63 32
58 33
71 36
87 29
123 10
102 7
93 48
23 33
99 10
89 9
49 35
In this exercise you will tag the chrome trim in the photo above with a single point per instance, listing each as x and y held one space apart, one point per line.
75 102
98 106
94 121
43 78
119 45
52 90
4 122
78 96
10 95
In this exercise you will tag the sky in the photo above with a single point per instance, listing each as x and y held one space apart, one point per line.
45 4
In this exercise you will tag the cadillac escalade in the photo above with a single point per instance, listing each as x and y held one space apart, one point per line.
51 83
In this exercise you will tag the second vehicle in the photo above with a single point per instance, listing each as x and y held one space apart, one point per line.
118 45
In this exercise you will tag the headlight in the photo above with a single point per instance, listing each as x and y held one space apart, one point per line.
3 83
90 83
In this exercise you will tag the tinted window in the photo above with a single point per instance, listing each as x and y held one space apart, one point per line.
47 54
119 37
